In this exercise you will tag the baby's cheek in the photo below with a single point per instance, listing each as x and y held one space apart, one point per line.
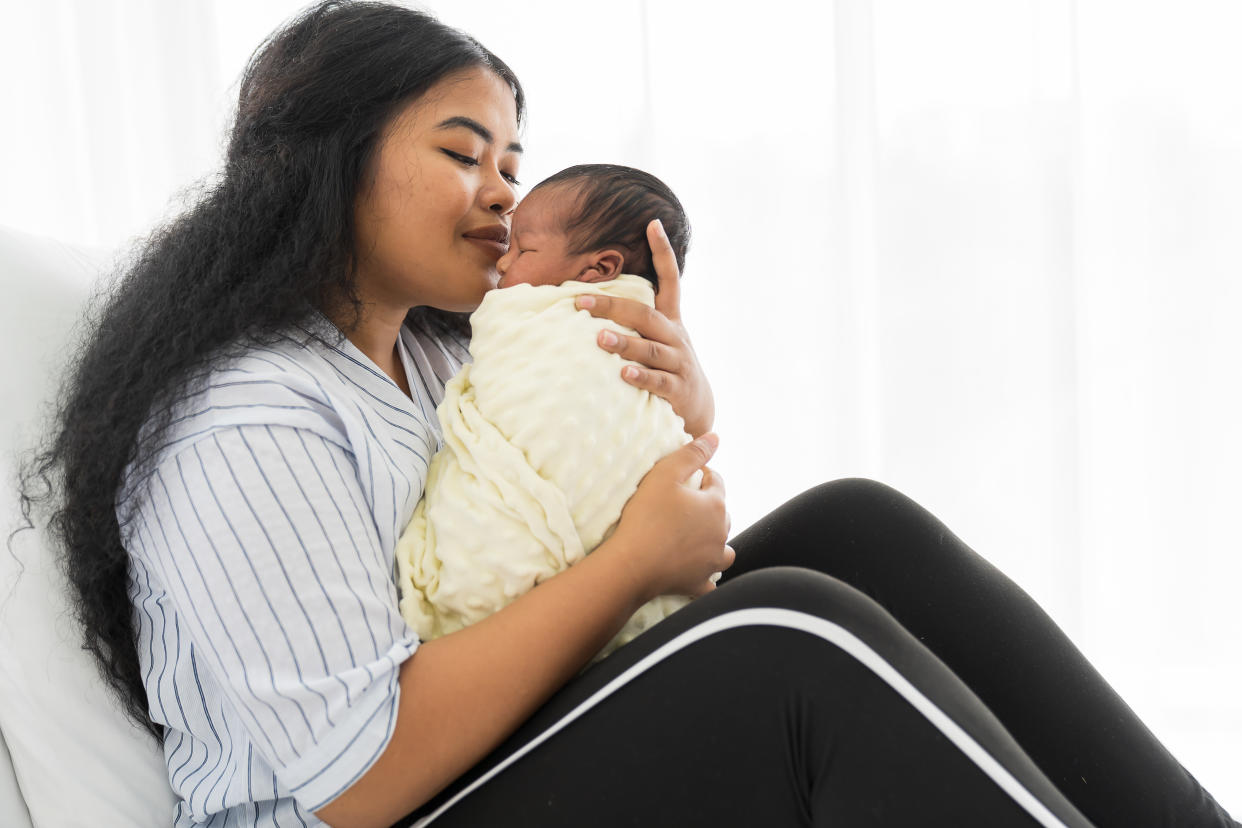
517 275
530 268
541 276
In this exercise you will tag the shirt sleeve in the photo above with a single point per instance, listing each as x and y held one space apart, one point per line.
266 546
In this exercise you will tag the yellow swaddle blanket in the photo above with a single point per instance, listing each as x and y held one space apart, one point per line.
543 445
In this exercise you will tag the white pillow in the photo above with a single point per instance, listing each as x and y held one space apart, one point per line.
78 760
13 813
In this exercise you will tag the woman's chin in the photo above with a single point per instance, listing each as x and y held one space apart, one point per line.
485 288
485 282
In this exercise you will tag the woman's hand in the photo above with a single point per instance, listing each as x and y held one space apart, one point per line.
671 369
675 535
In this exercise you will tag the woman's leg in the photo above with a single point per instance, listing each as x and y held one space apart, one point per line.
992 635
785 698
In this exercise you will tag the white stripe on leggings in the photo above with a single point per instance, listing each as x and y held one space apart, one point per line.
834 634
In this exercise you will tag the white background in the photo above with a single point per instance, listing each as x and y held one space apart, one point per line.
986 251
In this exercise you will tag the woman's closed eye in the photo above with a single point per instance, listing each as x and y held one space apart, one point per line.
468 161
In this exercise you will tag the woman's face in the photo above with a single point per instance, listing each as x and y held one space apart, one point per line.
433 217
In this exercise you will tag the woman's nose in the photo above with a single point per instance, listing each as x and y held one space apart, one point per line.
499 195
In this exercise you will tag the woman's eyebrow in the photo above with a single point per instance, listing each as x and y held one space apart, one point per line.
475 127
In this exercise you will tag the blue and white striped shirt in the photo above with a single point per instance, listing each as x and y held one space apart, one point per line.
261 554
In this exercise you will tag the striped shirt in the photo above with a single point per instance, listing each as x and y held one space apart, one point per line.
261 551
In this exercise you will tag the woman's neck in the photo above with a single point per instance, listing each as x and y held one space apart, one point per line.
377 334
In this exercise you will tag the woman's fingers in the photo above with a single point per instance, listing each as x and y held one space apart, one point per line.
648 322
704 588
660 383
727 557
668 298
647 351
712 481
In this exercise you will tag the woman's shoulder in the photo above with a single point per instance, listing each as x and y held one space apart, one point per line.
299 378
253 385
267 403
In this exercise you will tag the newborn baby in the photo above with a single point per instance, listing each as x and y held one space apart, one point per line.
543 441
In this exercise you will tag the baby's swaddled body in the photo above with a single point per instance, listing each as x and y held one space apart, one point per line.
543 445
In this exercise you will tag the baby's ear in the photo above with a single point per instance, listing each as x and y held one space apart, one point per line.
603 266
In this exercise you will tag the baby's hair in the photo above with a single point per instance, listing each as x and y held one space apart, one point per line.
611 208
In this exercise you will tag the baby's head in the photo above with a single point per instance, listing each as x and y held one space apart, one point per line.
589 223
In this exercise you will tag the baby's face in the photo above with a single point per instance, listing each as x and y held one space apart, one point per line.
538 246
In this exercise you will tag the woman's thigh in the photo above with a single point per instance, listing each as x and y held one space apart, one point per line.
995 637
782 698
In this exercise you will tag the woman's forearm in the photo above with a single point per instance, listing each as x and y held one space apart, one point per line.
462 694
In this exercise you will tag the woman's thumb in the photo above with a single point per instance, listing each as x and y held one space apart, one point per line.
694 455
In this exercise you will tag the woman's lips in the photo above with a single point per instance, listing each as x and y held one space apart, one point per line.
492 237
499 248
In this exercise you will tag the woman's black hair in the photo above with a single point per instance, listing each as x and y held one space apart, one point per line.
612 206
270 240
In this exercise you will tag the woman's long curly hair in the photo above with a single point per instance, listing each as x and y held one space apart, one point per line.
271 239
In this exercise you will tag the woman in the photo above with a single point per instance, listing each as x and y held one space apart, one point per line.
249 427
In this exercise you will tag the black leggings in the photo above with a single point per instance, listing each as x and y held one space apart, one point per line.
859 665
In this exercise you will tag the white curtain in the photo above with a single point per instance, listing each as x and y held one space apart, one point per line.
987 251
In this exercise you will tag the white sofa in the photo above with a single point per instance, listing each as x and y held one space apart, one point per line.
68 756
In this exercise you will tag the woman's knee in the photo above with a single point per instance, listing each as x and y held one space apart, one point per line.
854 490
863 503
855 529
836 510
